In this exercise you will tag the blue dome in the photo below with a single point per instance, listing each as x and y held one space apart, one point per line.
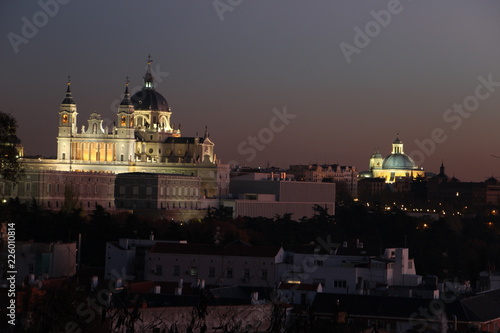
398 161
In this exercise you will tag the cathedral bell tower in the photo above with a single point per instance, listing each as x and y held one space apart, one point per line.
67 125
125 114
125 128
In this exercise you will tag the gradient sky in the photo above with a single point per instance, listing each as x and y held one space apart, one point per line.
230 74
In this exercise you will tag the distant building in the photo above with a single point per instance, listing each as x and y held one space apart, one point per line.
218 265
44 260
52 189
489 280
128 256
157 191
394 166
257 195
371 189
451 193
141 139
344 176
350 270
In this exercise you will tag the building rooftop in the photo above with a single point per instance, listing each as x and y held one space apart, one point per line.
218 250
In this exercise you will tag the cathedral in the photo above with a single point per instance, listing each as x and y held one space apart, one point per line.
142 140
141 137
396 165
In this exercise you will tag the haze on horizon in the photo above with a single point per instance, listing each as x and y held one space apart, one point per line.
236 70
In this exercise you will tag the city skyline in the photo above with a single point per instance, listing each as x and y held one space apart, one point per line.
278 84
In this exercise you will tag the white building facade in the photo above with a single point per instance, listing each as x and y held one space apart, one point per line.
350 272
216 265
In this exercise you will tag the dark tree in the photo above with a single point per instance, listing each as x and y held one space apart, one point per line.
10 166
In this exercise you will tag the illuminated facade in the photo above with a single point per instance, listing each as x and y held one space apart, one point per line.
142 139
396 165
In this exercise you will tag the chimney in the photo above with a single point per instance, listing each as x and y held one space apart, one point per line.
94 281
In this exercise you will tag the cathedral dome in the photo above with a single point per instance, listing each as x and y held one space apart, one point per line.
398 161
149 99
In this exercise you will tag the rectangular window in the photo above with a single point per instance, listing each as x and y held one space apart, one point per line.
31 268
159 269
177 270
318 262
339 284
27 188
149 190
246 273
193 271
229 273
135 190
263 274
211 272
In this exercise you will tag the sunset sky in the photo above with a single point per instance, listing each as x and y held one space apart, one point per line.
279 82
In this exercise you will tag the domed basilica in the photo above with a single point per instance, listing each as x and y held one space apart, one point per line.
394 166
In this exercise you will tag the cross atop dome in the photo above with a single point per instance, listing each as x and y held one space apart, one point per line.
148 78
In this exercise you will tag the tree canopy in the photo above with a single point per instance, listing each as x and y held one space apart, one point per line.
10 166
